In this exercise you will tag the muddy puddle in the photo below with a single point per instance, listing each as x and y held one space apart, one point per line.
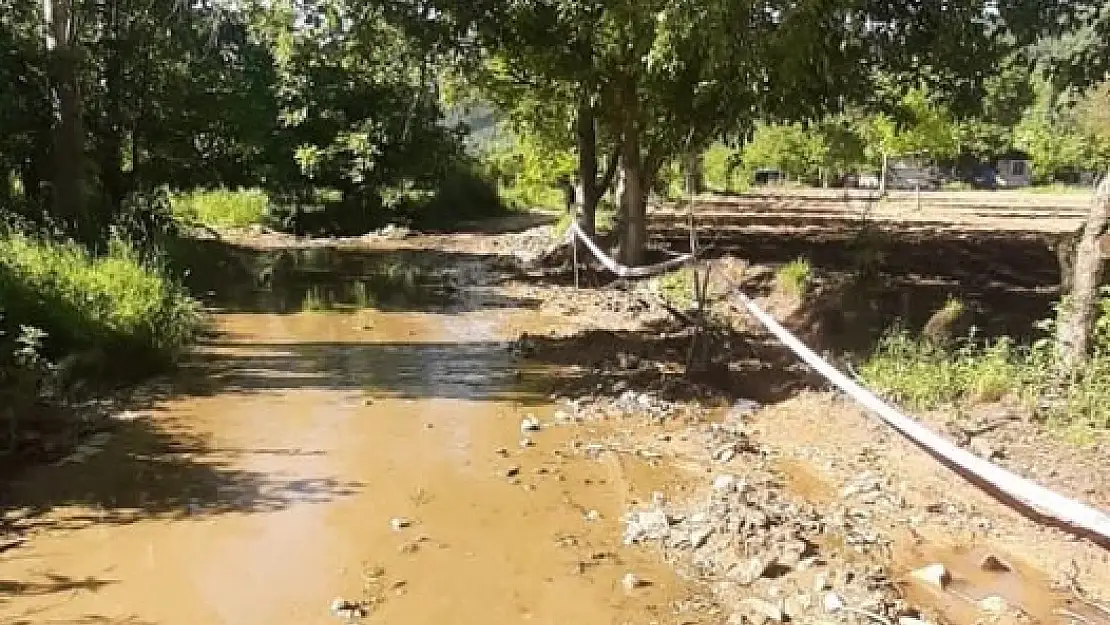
351 430
982 581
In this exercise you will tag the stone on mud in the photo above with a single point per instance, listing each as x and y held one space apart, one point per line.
724 483
646 525
749 571
529 424
399 523
994 564
762 610
993 604
832 602
934 574
631 582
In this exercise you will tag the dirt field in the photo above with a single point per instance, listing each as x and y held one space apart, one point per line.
437 429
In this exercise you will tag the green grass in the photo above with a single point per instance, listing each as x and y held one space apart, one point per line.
677 287
221 208
129 311
1055 188
794 278
922 375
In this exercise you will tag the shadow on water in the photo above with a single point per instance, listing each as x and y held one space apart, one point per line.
237 278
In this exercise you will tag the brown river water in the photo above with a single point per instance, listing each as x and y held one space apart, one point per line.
263 485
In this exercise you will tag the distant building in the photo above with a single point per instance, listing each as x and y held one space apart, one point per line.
1014 170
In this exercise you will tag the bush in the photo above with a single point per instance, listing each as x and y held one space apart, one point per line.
117 305
221 208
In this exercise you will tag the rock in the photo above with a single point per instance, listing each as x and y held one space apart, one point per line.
994 565
724 483
766 610
821 582
346 609
512 471
527 442
725 453
399 523
742 408
751 570
984 449
529 424
593 515
832 602
646 525
501 451
699 537
993 604
797 605
631 582
934 575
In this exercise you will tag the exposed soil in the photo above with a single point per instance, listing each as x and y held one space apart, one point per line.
437 429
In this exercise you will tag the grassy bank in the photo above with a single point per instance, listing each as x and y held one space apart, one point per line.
924 375
67 313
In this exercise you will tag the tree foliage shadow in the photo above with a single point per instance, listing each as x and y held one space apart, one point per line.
157 471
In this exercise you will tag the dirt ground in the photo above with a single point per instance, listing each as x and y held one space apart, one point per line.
470 438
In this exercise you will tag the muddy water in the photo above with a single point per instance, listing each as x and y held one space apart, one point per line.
264 486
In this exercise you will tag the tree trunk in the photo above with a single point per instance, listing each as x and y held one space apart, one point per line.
586 136
692 177
633 233
69 141
1074 331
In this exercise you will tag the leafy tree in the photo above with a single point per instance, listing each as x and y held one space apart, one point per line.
666 78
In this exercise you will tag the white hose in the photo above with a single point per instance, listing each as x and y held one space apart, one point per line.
1044 502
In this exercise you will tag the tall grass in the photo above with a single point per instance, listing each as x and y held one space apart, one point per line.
221 208
924 375
127 309
794 277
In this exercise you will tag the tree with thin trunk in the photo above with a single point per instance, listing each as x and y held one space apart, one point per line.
69 135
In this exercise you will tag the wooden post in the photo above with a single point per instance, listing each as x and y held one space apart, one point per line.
574 255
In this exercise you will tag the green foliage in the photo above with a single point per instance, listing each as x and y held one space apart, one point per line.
221 208
797 151
115 304
720 165
924 375
794 278
677 287
528 169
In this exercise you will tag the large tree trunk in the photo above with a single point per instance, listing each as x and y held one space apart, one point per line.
633 233
69 141
1078 319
